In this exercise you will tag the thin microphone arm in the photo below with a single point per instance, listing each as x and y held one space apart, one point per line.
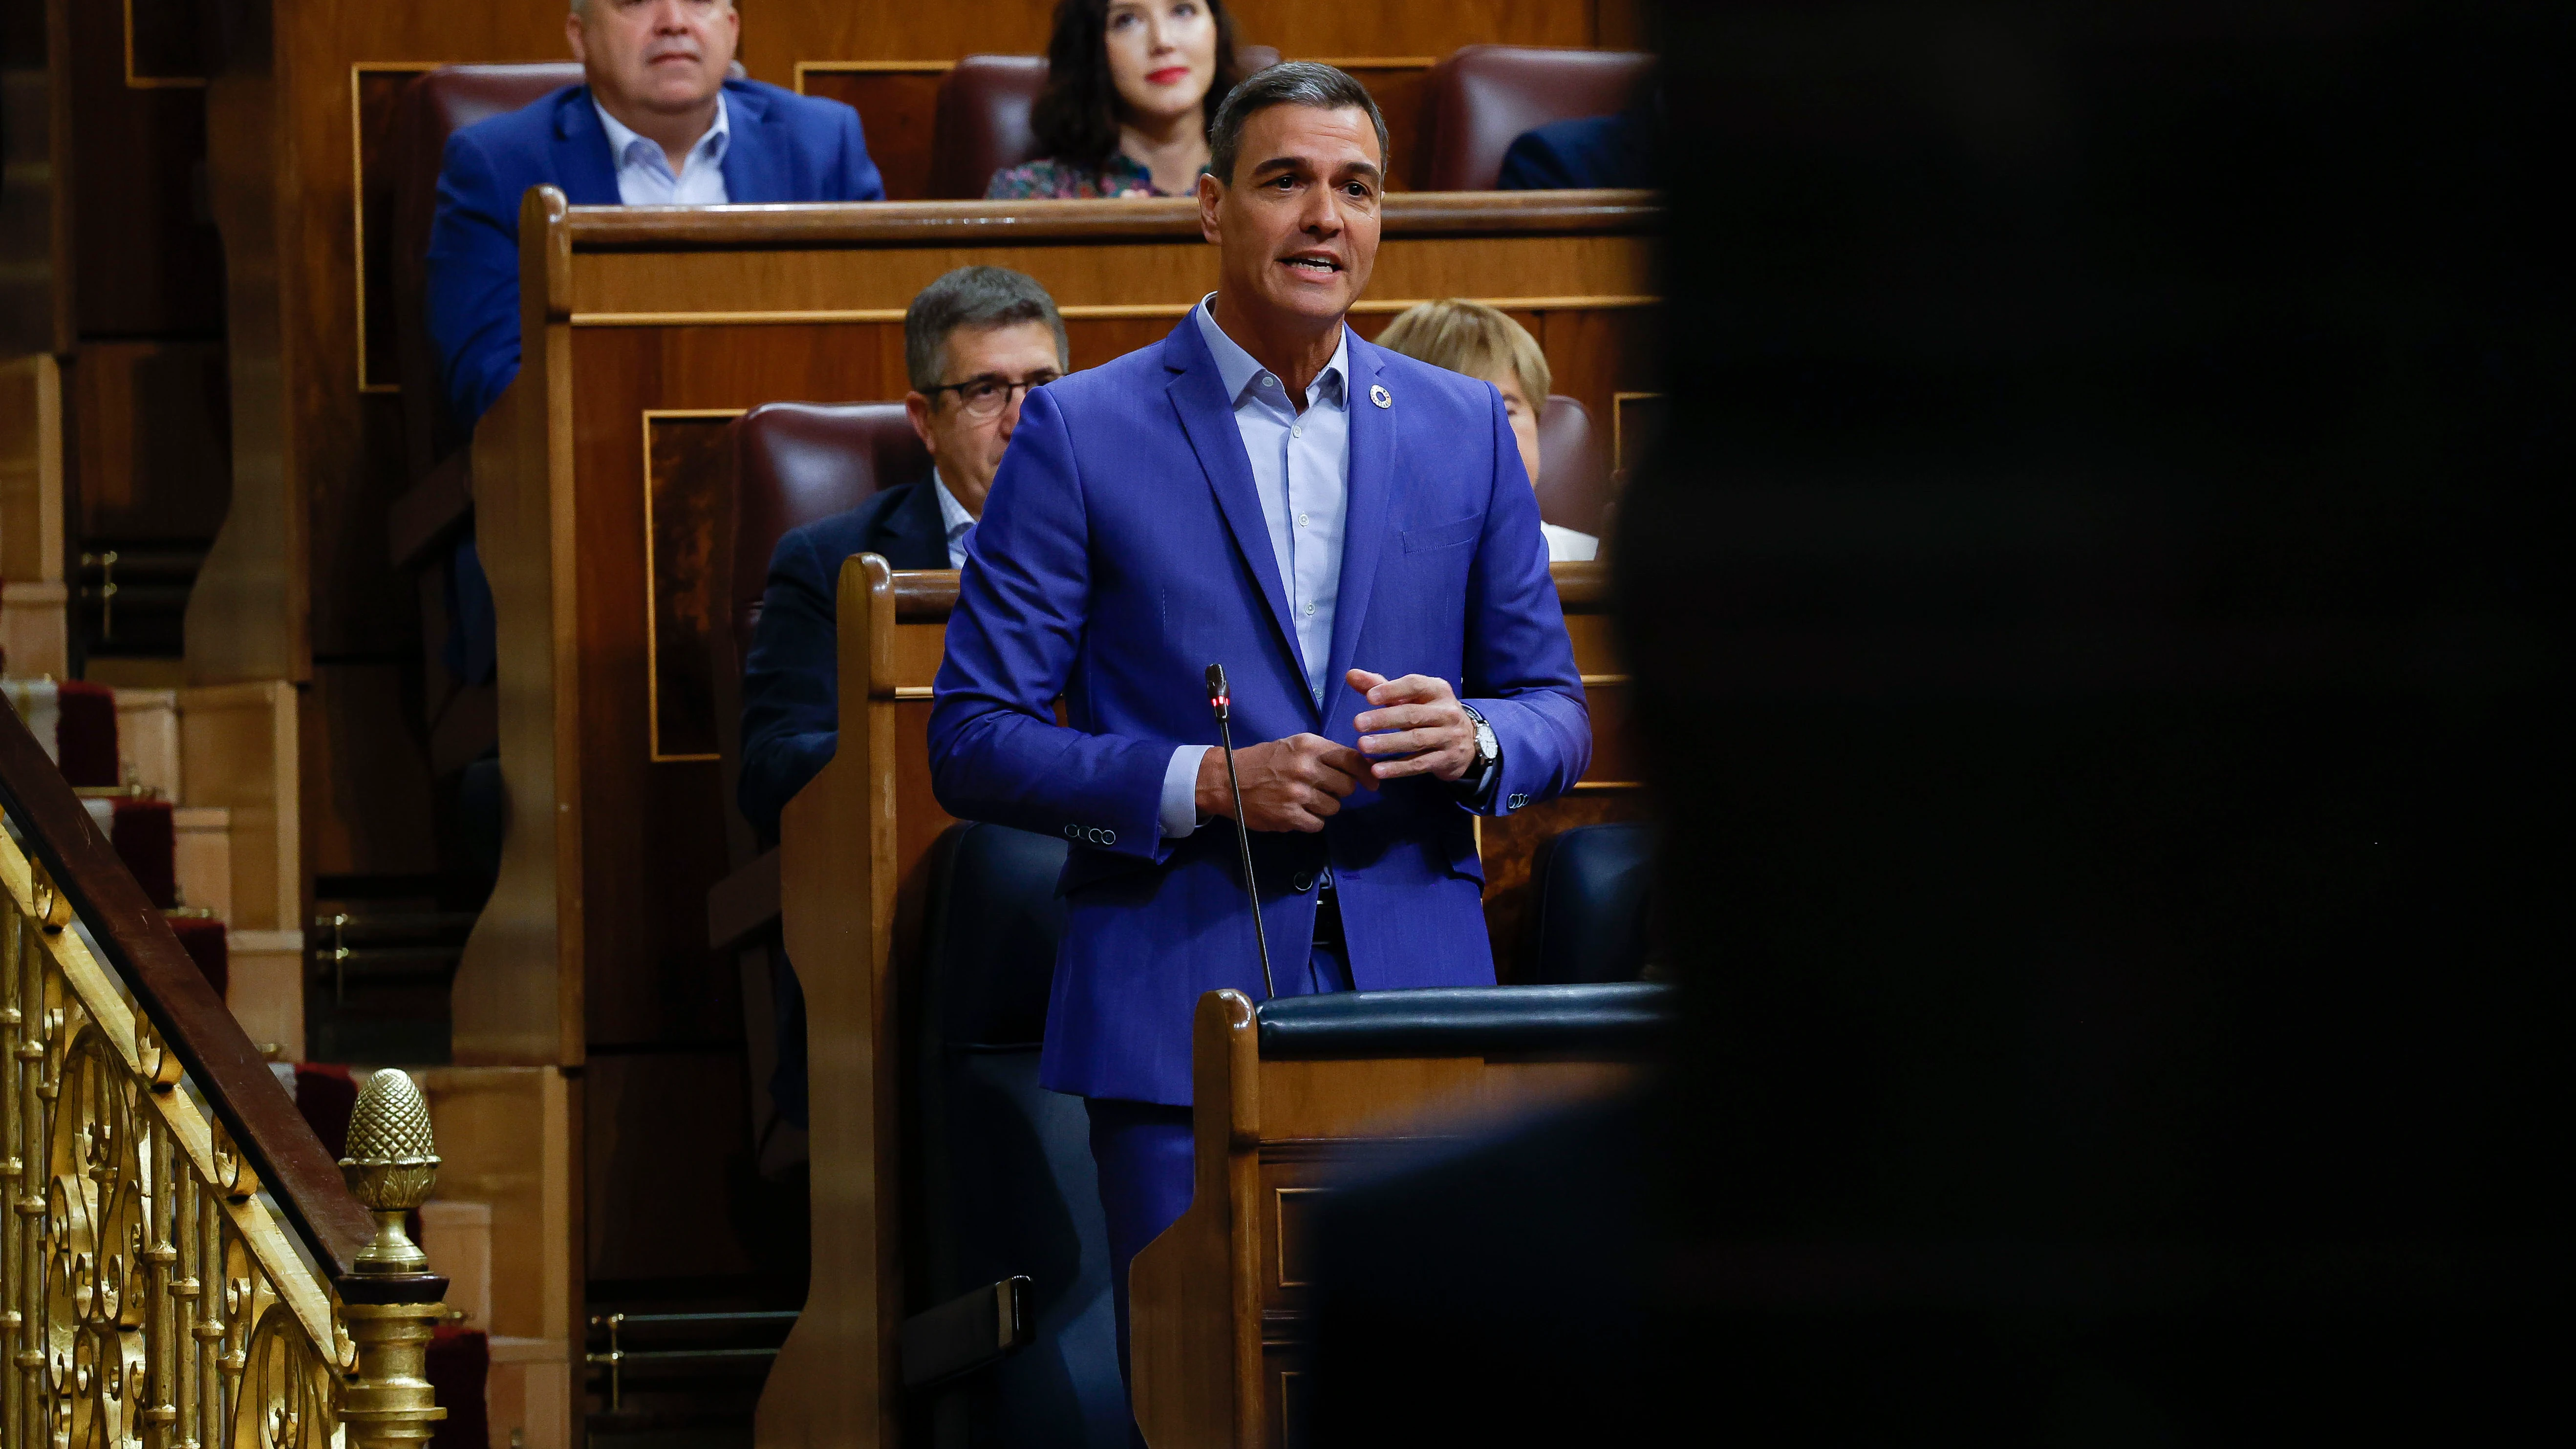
1220 701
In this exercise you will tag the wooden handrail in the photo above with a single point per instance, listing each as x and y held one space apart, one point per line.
988 223
135 940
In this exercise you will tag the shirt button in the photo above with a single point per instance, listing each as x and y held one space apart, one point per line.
1301 520
1297 432
1268 381
1310 608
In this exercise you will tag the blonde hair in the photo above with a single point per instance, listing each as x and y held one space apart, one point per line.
1472 338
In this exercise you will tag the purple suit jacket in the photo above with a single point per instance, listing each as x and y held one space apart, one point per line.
1121 553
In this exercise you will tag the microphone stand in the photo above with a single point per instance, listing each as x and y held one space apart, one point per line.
1219 700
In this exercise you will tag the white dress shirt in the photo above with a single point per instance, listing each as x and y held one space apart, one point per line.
1301 465
644 171
955 521
1566 545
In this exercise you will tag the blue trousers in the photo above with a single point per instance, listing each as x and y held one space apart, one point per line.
1143 1153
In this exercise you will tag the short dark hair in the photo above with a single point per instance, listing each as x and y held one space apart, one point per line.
1289 83
1075 119
972 297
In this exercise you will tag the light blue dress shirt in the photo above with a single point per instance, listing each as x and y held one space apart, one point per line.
1301 467
644 171
955 522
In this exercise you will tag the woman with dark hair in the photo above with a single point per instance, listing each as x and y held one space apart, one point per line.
1131 87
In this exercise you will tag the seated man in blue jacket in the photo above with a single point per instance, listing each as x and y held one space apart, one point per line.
974 343
655 123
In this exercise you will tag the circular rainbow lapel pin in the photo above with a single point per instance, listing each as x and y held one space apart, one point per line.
1378 395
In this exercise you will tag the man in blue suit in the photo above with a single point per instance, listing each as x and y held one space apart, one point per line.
1350 533
655 123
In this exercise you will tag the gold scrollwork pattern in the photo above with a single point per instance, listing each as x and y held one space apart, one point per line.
142 1303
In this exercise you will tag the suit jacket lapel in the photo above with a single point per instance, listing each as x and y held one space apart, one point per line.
921 526
1364 513
589 173
751 166
1207 416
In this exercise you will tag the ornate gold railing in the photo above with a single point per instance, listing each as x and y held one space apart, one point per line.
181 1264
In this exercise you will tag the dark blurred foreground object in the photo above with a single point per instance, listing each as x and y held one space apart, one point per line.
2105 628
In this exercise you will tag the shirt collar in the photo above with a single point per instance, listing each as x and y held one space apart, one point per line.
952 514
622 139
1240 369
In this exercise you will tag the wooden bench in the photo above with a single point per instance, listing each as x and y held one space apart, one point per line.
1296 1091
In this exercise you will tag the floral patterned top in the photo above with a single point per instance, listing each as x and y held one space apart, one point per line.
1052 180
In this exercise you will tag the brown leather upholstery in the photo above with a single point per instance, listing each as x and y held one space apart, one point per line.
1482 98
433 108
795 463
982 122
1573 466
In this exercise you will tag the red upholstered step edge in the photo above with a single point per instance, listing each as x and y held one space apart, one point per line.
460 1364
85 733
146 839
206 945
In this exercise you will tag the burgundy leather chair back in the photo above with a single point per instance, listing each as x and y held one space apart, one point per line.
981 124
795 463
1482 98
1574 482
432 108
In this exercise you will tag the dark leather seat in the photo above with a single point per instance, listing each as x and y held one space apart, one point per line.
1574 482
1483 97
981 122
1451 1021
794 464
1006 1184
1592 896
434 107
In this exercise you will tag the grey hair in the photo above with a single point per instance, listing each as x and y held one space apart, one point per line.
1289 83
972 297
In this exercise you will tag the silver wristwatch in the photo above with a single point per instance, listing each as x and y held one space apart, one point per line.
1489 750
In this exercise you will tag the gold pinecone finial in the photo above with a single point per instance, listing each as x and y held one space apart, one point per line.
391 1167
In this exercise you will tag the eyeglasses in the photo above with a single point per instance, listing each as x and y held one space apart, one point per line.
987 396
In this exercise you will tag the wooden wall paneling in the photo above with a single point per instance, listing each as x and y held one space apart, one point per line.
154 441
682 612
777 34
657 1204
33 598
147 261
652 976
367 808
374 88
1303 30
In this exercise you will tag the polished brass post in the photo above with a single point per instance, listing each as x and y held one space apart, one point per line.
392 1301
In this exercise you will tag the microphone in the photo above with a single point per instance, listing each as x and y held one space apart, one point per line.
1219 700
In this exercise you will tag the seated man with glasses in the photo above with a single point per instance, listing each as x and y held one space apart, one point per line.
975 342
